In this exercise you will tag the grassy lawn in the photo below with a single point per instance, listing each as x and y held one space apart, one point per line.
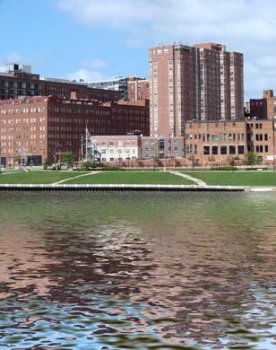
35 177
250 178
124 177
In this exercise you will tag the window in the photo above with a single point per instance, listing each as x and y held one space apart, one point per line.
214 150
241 149
223 150
232 149
206 150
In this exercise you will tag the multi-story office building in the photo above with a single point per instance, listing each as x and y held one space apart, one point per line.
203 82
19 81
36 128
117 84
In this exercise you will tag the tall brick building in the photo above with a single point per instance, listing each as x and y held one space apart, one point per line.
203 82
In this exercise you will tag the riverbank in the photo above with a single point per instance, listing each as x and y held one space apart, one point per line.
137 181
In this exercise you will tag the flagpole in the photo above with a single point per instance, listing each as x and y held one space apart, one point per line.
86 142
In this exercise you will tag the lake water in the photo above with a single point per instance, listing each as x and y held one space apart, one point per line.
137 271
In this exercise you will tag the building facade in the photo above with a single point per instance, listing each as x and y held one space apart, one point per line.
116 84
264 108
228 142
19 81
203 82
138 89
39 128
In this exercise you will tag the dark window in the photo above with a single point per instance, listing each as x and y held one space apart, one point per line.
266 148
214 149
232 149
223 150
265 137
241 149
206 150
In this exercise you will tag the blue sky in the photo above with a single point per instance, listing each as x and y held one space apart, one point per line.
97 39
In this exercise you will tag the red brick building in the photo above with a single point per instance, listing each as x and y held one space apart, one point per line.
265 107
37 128
138 89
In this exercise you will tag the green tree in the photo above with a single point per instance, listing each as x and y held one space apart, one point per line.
68 158
252 158
46 164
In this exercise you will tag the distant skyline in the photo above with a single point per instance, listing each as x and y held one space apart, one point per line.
93 39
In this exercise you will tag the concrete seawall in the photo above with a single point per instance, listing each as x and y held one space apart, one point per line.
120 188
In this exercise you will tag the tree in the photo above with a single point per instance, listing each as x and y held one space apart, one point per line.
46 163
252 158
68 158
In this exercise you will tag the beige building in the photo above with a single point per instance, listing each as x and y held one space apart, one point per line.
226 142
203 82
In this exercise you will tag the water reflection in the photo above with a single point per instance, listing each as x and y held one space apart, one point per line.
162 271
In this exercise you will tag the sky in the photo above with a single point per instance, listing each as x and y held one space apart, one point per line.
100 39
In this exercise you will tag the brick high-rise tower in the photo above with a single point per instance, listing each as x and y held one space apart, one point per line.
203 82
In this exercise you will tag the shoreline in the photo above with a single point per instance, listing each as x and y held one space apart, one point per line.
130 187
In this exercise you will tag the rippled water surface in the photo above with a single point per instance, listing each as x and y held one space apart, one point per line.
137 271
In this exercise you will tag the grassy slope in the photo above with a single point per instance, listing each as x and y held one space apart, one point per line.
251 178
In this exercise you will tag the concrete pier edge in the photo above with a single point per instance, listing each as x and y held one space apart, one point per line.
129 187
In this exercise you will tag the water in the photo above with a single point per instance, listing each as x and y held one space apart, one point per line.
137 271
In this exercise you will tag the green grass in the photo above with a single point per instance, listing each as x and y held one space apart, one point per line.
237 178
35 177
110 177
131 177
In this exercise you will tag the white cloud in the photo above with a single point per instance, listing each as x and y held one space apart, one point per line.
85 75
246 26
95 64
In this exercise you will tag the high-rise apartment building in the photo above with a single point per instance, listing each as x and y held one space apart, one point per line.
203 82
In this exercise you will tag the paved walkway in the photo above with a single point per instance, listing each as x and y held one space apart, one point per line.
188 177
75 177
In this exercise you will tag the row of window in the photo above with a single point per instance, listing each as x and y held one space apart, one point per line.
223 150
23 110
24 120
216 137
